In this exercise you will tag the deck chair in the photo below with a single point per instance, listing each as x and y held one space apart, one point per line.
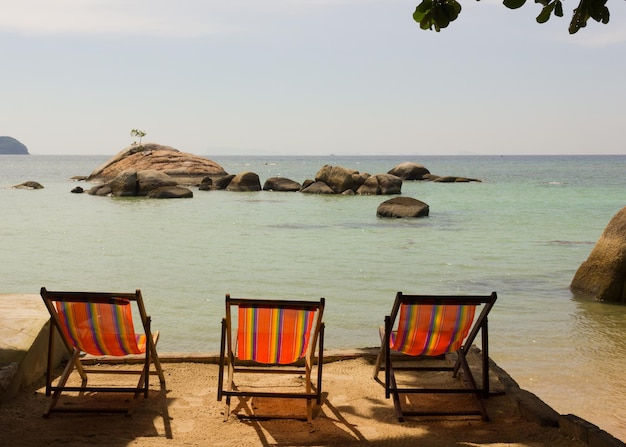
99 324
271 336
434 326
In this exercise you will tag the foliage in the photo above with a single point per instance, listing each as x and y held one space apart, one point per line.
438 14
137 133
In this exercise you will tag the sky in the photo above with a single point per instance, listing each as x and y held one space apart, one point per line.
309 77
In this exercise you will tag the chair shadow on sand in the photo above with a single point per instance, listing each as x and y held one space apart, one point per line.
149 417
273 421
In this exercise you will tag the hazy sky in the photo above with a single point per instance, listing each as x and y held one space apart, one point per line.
310 77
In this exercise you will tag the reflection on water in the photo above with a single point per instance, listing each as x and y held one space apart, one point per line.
594 366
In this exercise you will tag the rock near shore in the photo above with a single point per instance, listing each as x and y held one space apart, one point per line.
603 275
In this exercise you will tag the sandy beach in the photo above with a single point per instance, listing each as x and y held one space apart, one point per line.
354 412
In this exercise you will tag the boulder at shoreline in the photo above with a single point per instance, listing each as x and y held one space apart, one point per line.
603 275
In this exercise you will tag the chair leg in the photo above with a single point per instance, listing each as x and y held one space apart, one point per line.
157 362
378 364
467 372
71 364
395 394
379 357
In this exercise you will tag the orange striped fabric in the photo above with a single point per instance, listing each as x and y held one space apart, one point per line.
428 329
101 328
273 335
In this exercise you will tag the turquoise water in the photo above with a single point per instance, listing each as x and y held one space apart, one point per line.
523 231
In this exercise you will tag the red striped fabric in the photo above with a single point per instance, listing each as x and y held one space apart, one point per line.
273 335
431 329
101 328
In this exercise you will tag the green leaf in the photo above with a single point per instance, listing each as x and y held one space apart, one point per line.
544 16
421 10
558 8
514 4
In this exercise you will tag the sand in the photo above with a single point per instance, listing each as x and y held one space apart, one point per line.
186 412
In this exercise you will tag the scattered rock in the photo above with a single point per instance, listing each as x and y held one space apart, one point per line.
381 184
409 170
206 184
100 190
402 207
29 185
223 181
452 179
281 184
318 188
245 181
340 179
170 192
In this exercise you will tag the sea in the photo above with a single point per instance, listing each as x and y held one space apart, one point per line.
522 231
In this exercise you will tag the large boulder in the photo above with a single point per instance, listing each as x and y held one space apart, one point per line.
603 275
245 181
185 168
281 184
131 183
402 207
101 190
381 184
149 180
340 179
125 184
223 181
10 146
409 170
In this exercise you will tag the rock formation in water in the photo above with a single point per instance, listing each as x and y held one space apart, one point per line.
341 180
10 146
403 207
245 181
409 170
603 275
184 168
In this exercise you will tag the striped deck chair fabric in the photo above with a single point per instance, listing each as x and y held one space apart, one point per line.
273 335
431 330
432 326
270 336
99 324
101 328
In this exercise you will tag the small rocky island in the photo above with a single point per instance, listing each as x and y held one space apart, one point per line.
10 146
157 171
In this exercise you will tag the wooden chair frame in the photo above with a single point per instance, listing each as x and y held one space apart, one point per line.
480 324
77 359
233 365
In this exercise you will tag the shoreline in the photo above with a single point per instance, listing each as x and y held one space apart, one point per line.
529 405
